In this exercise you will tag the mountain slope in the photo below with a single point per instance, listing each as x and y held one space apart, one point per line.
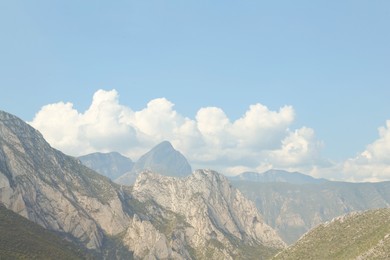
54 190
294 209
111 165
355 236
23 239
210 217
162 159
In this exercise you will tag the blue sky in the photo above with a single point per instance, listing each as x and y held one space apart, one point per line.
329 60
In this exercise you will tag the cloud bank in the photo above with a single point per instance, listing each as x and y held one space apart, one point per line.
373 164
259 140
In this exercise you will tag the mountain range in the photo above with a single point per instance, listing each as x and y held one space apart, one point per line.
200 216
276 176
293 203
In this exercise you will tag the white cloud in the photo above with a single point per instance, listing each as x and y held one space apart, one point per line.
260 139
261 128
298 148
373 164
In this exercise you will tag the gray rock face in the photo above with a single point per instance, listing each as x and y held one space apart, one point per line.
162 159
55 190
215 217
111 165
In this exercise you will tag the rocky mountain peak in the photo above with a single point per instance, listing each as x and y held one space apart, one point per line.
162 159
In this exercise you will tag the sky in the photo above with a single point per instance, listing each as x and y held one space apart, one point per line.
234 85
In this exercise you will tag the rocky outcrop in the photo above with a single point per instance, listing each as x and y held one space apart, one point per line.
146 242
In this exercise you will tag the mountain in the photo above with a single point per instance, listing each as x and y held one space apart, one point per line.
111 165
23 239
277 176
162 159
294 209
200 216
55 190
205 216
364 235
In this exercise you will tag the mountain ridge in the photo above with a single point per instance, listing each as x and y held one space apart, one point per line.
274 175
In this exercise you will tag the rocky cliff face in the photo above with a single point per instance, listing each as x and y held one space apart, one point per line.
208 215
55 190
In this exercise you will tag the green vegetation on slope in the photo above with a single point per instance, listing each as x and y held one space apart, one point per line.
364 235
23 239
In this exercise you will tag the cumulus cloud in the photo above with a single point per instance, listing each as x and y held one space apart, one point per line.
260 139
373 164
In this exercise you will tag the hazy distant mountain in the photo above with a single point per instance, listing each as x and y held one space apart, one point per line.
277 176
111 165
162 159
23 239
294 209
361 236
198 217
